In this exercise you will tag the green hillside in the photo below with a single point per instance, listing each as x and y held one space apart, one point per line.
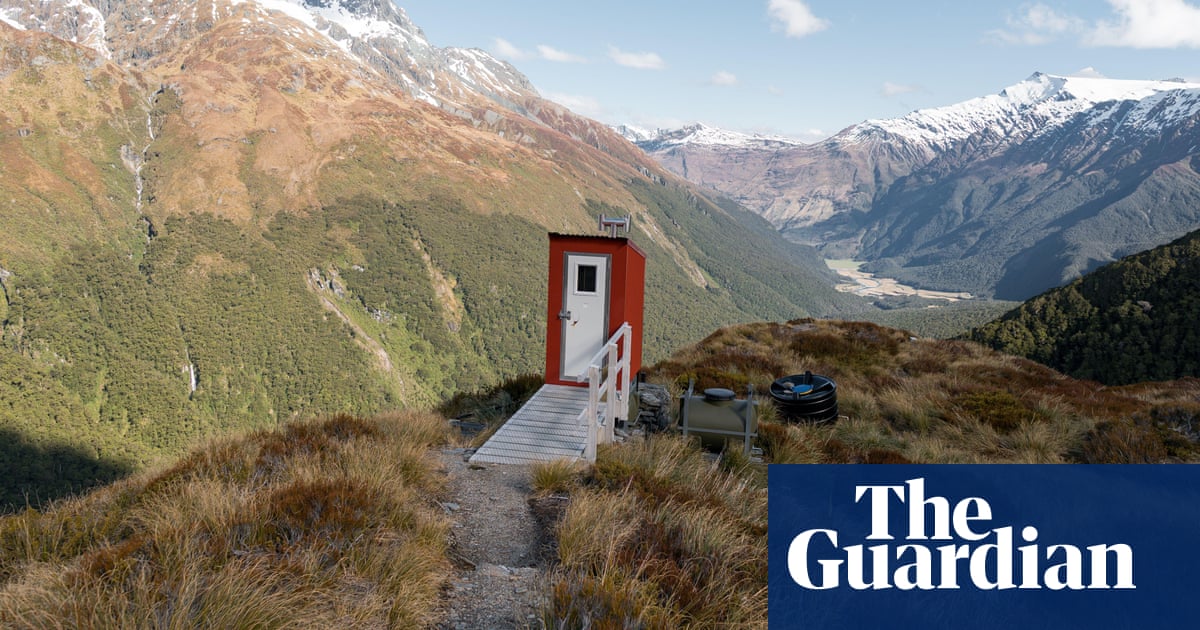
337 310
1130 321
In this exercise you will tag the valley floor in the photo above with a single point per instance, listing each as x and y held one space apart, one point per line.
870 285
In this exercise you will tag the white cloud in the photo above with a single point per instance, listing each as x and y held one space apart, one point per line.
1040 17
1035 25
505 49
1149 24
795 18
583 105
553 54
774 90
639 60
1133 24
1088 73
890 89
723 78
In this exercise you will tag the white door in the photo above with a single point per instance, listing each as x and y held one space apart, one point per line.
585 312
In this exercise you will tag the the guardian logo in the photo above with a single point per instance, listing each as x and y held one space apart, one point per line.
949 546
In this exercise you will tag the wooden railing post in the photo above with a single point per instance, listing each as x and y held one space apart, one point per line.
614 387
611 400
589 449
626 377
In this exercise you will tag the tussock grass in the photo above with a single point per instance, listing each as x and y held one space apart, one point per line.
554 477
785 443
660 535
904 399
324 523
683 542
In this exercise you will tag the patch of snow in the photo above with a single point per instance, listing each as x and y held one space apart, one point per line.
634 133
11 17
1156 111
374 29
478 68
351 26
307 16
90 27
355 25
422 95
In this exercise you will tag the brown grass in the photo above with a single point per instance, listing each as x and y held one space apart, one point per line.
684 537
555 477
317 524
937 401
683 542
660 535
1167 433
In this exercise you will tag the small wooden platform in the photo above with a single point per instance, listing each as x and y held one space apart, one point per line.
547 428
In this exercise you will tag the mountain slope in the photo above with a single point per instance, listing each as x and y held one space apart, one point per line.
1129 321
230 213
1004 195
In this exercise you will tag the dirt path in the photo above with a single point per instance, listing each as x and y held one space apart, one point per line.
497 548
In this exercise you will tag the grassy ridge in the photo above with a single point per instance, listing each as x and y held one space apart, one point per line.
938 401
685 541
316 524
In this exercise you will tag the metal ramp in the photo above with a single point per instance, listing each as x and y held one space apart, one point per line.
546 428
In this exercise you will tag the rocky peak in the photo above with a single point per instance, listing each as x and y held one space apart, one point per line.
374 33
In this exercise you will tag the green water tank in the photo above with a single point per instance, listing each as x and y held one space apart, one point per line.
718 416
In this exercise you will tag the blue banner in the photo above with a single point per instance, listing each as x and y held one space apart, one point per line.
983 546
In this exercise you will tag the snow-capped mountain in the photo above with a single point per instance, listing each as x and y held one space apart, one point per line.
1037 106
376 33
701 135
634 133
1005 194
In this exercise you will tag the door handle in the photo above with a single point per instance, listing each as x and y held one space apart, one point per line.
564 315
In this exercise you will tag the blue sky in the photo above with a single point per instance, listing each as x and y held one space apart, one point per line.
807 68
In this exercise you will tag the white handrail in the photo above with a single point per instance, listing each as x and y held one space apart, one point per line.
614 388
